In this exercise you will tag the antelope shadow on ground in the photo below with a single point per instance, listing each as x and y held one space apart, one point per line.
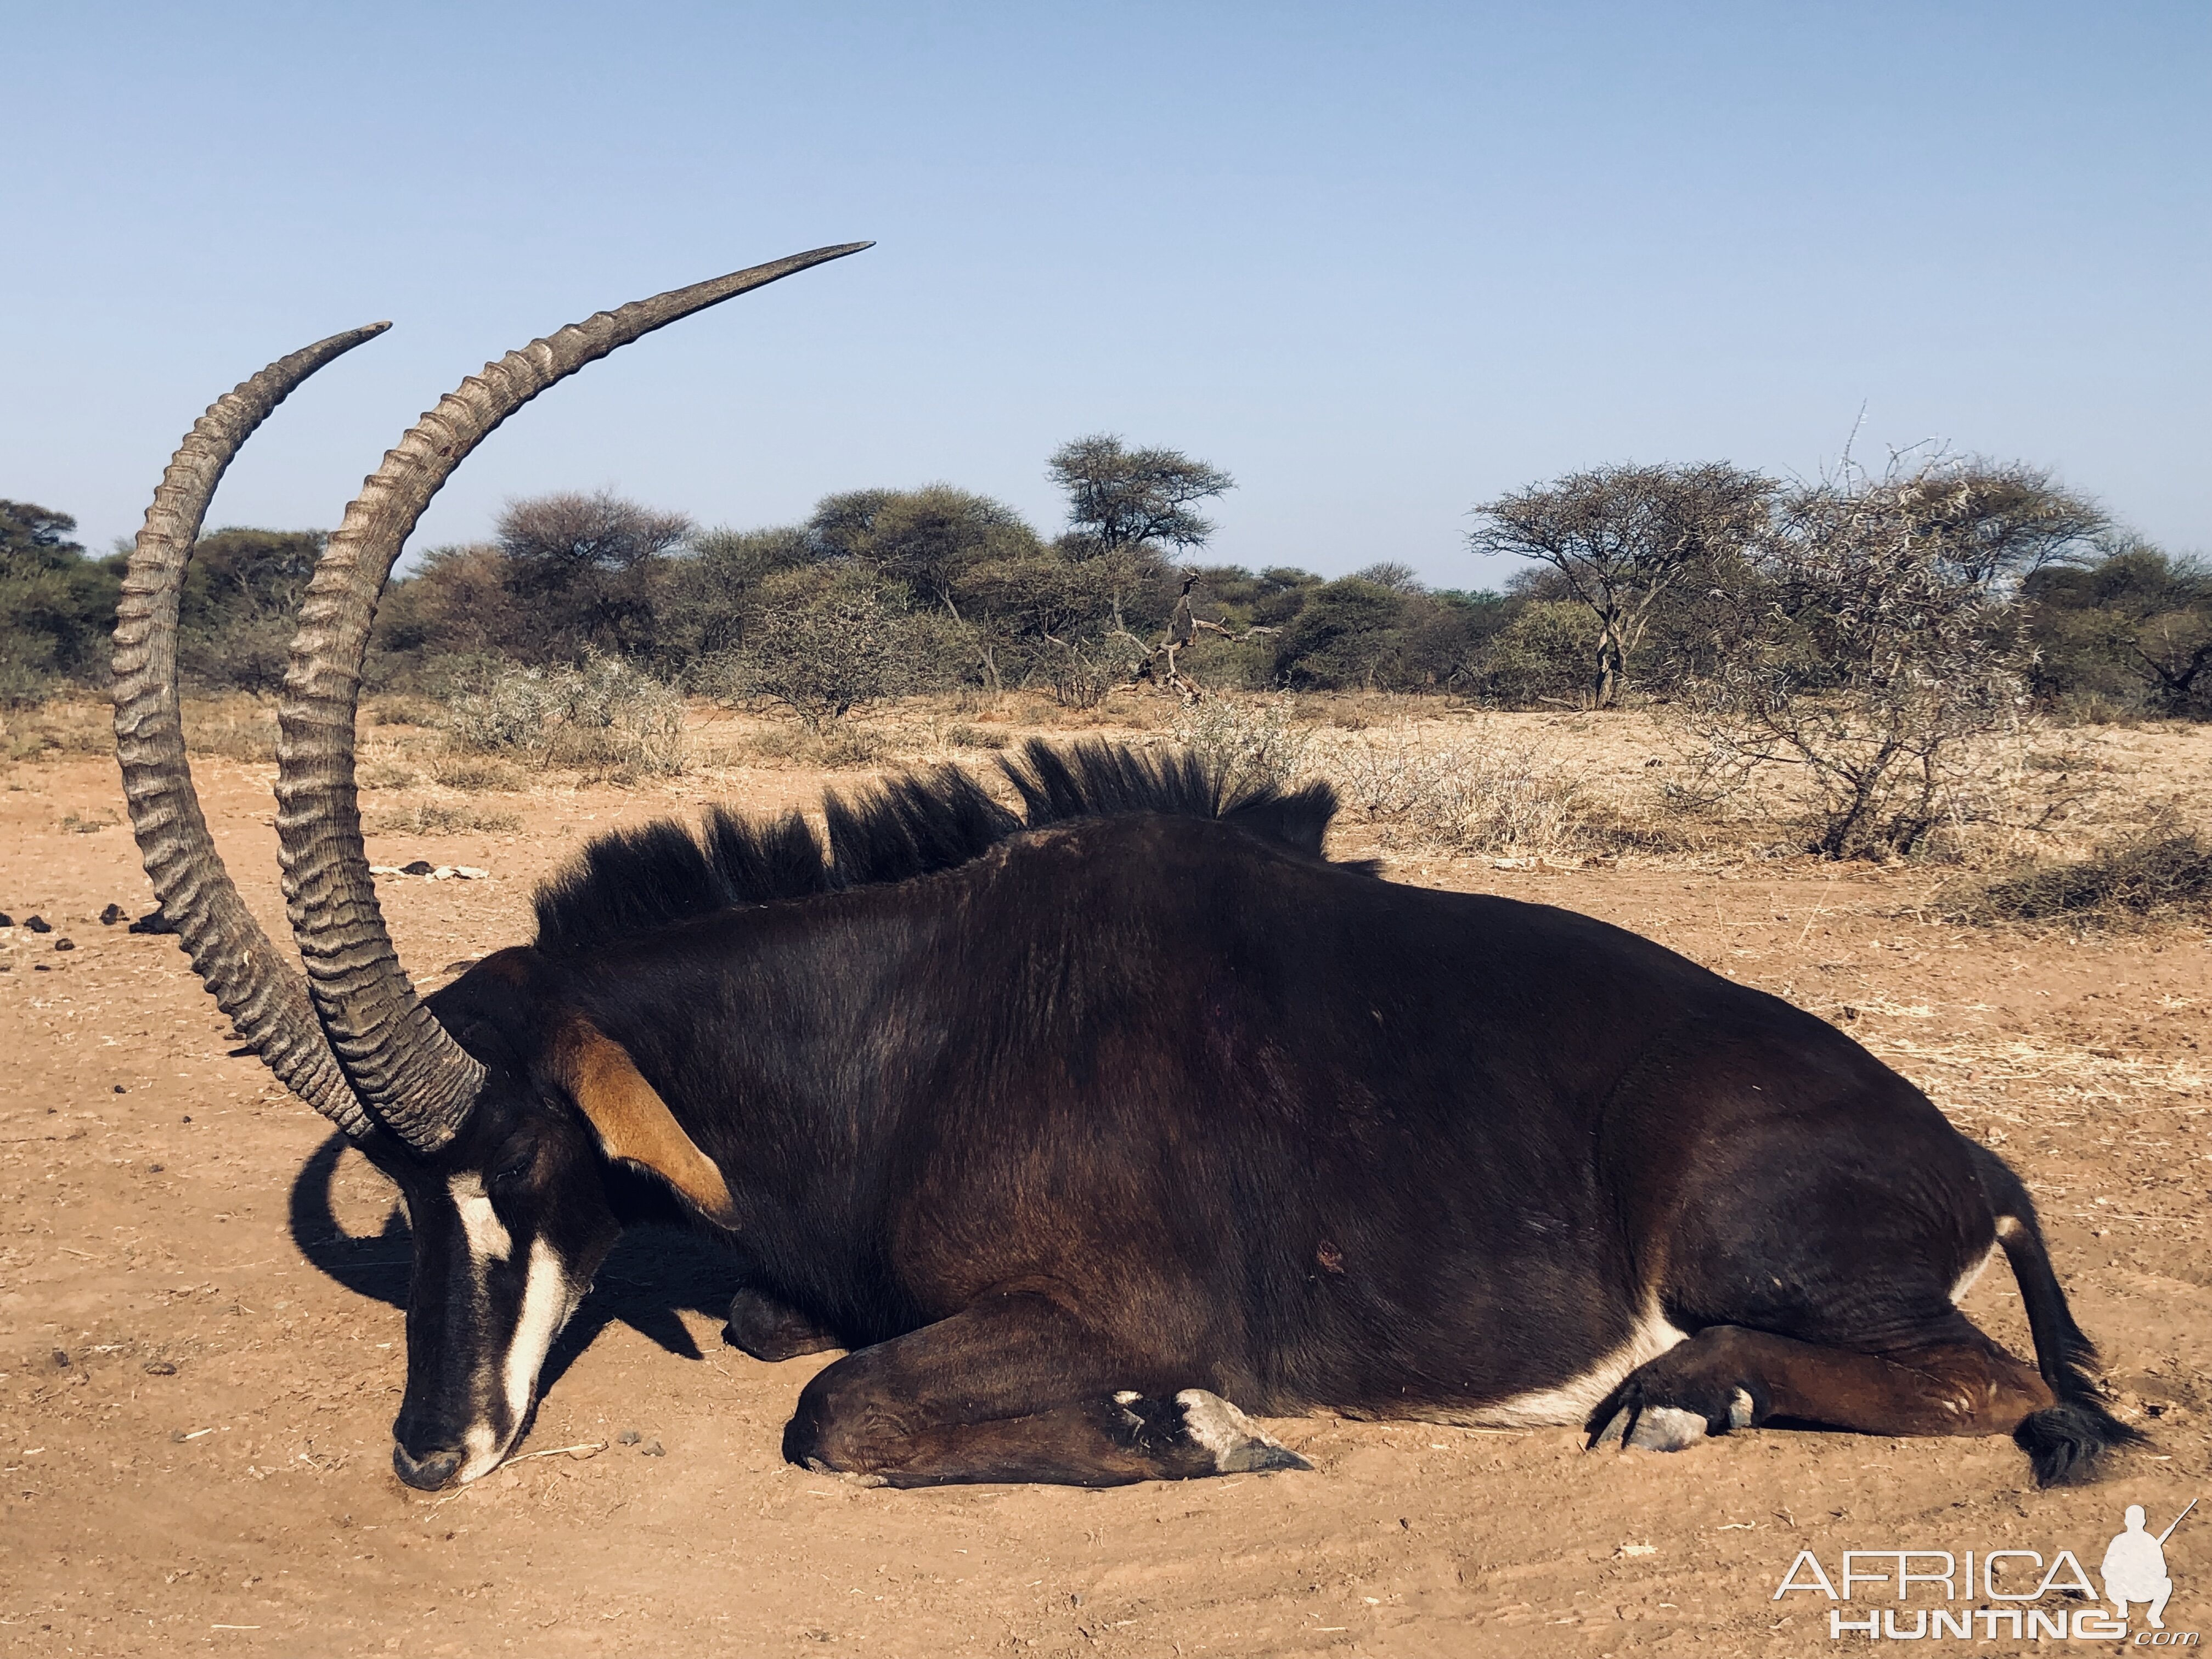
653 1274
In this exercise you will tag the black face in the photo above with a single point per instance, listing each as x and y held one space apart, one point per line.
510 1221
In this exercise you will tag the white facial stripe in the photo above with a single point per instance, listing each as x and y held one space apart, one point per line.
487 1235
483 1450
548 1299
546 1303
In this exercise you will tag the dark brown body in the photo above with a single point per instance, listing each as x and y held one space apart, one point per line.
1148 1102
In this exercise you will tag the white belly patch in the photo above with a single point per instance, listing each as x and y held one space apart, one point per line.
1571 1401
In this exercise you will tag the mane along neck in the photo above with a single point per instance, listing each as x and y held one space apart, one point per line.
633 882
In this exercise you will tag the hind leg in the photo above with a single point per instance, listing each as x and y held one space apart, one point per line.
1956 1380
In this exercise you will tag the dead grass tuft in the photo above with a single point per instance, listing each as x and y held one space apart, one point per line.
461 769
840 746
2144 878
432 817
399 708
1493 794
51 730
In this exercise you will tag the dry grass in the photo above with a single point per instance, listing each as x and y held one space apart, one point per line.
841 746
2144 878
1450 782
235 727
1422 776
1488 793
399 708
461 769
52 730
432 817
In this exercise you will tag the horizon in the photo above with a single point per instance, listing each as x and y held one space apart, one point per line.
1379 267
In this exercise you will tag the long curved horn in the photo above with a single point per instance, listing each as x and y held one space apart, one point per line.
403 1064
259 989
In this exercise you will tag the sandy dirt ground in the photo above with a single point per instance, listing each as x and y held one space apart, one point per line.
201 1342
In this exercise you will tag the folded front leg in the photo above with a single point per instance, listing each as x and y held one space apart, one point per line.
1017 1389
768 1329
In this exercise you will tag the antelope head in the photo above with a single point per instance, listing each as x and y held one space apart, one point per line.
499 1116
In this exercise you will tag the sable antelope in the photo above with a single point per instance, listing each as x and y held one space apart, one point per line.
1079 1123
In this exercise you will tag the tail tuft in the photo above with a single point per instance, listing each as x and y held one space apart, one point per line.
2063 1441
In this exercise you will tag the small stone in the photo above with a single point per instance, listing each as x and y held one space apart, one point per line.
629 1438
6 921
39 924
156 1168
152 922
159 1368
61 1356
653 1449
178 1436
64 944
419 867
110 915
120 1090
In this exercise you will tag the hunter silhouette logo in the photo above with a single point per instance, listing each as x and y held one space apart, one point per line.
2013 1587
2134 1569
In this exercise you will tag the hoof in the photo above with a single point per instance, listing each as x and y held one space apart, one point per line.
1672 1428
1238 1444
1666 1429
1651 1428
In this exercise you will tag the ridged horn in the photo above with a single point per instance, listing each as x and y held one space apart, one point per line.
260 989
416 1079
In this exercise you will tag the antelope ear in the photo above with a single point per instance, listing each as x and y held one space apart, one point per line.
632 1120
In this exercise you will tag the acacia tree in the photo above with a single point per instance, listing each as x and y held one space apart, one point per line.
1124 507
2135 626
584 569
1622 537
1122 499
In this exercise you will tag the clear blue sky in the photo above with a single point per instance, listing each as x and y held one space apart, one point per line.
1379 261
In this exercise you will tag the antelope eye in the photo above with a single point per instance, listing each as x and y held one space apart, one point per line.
515 1163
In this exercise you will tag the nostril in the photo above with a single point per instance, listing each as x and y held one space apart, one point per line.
427 1472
